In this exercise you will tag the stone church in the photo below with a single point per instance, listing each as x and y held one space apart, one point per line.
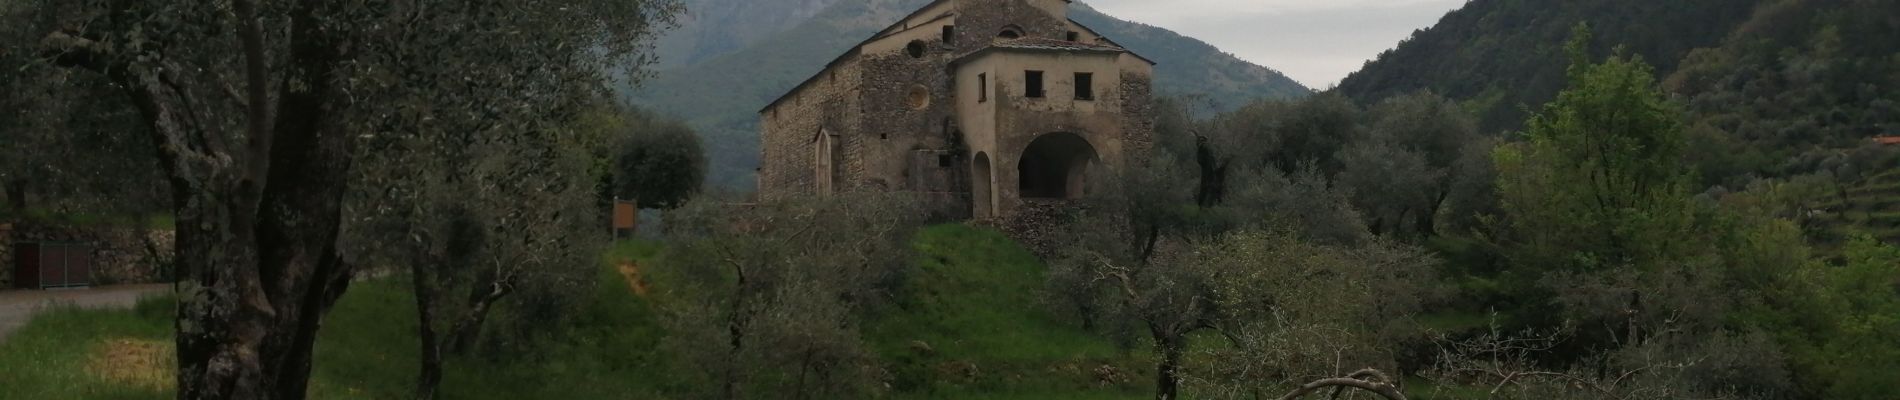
985 106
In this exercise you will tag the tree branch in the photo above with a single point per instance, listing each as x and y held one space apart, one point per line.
1369 380
68 50
257 78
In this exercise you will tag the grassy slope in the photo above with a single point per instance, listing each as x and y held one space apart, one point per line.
972 299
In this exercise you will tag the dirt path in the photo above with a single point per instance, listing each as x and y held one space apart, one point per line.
18 306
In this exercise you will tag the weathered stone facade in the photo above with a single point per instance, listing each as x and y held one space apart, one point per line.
119 255
979 104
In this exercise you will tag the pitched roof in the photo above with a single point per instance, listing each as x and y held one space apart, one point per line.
887 31
1888 140
1051 44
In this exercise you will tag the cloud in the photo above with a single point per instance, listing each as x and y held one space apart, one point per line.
1316 42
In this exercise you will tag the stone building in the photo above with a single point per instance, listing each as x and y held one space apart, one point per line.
985 105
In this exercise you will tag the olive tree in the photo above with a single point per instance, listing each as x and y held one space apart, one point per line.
1403 172
1138 258
73 144
259 108
1297 313
658 163
768 297
477 225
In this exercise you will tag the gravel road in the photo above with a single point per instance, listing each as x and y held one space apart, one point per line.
18 306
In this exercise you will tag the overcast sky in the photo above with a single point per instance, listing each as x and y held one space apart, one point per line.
1316 42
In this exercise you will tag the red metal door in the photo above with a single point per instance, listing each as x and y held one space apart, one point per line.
79 265
26 266
52 265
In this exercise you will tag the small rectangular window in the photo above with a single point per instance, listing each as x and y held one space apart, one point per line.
945 160
982 88
949 34
1032 84
1075 37
1084 86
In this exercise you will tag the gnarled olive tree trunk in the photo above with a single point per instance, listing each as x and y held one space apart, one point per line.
257 221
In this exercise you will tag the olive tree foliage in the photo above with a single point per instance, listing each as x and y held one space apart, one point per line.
70 143
769 297
1142 260
259 110
1294 312
1507 365
1403 172
658 163
503 219
1288 136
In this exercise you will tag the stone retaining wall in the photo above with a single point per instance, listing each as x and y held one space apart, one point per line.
120 255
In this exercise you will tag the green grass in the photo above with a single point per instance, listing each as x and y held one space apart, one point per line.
972 297
367 350
974 300
50 357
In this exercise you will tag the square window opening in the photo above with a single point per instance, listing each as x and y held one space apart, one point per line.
1075 37
1032 84
982 88
1084 86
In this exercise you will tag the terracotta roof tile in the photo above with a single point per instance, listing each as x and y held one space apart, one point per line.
1051 44
1887 140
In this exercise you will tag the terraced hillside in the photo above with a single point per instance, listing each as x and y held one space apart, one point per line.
1869 207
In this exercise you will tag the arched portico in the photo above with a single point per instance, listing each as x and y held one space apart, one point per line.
1054 166
982 197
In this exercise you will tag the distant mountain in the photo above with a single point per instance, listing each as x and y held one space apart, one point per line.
712 28
1772 87
719 92
1187 66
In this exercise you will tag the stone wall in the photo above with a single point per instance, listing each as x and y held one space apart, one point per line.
790 128
120 255
979 21
1138 122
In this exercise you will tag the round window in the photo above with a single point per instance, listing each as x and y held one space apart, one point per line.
919 97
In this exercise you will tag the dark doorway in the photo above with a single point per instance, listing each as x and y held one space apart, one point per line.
1054 166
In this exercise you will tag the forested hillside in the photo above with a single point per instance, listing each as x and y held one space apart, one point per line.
1504 55
721 93
1798 88
1772 88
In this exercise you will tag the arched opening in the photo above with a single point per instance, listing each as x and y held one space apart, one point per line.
827 154
1054 166
1011 32
980 195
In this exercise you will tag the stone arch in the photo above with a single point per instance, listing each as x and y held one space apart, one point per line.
1054 166
1010 32
982 195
